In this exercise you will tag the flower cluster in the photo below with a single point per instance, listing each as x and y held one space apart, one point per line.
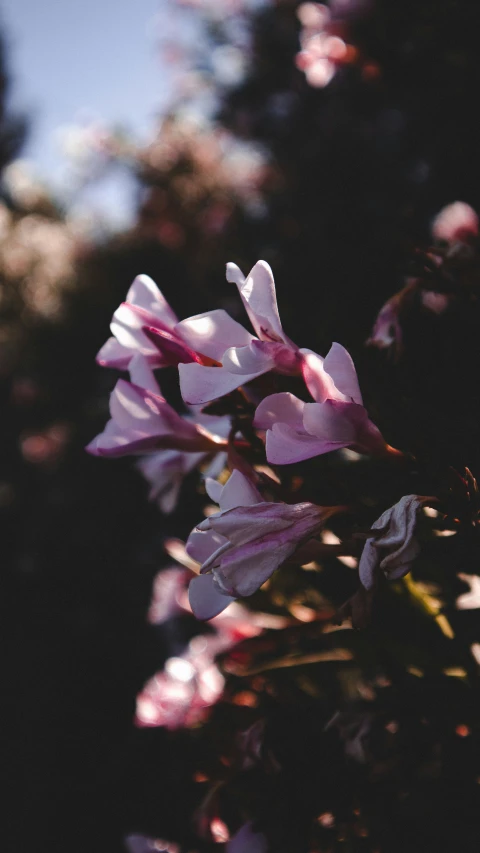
231 371
190 683
324 48
310 516
447 273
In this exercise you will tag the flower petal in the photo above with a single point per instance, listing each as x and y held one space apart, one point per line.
113 354
200 545
243 524
168 498
212 333
243 570
205 599
394 549
285 445
368 564
129 409
216 466
260 300
238 491
249 359
262 356
320 384
127 326
145 293
141 374
280 408
200 384
144 421
259 539
339 364
213 489
172 349
332 422
165 471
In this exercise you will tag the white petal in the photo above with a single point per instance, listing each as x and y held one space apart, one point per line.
238 491
141 374
214 489
205 599
113 354
167 501
328 423
212 333
201 545
320 384
127 407
145 293
280 408
216 466
260 300
245 572
200 384
127 326
247 359
339 364
284 445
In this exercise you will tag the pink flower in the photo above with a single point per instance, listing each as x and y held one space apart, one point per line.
244 543
456 223
168 594
142 420
145 306
323 50
298 430
188 685
215 354
387 331
320 58
435 302
243 357
206 600
145 324
181 694
166 470
395 548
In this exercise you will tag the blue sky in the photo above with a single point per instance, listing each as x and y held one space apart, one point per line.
71 59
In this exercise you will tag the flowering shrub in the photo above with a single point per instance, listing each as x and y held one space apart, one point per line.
336 705
329 535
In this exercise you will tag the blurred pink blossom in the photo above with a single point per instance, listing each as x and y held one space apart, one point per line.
456 223
387 331
435 302
190 683
323 49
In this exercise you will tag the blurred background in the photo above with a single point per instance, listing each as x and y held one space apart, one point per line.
168 137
